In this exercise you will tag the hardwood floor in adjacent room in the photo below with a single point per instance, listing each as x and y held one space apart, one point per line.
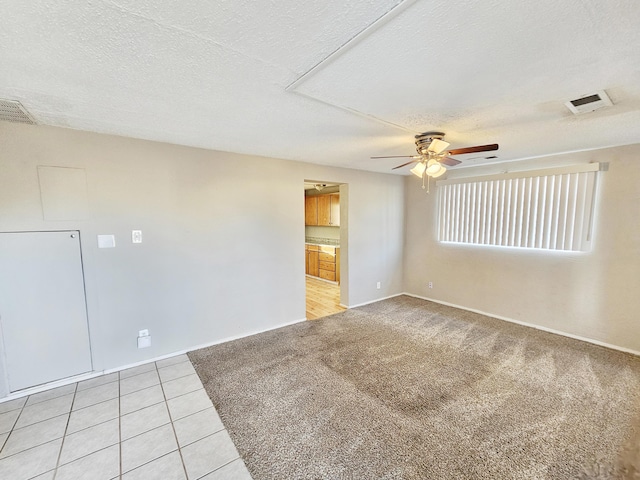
323 298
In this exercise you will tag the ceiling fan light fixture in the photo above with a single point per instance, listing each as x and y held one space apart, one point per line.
440 172
435 169
419 169
437 146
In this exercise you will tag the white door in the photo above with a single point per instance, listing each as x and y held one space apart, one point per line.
43 317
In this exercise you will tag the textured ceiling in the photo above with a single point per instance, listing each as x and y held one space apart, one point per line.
331 82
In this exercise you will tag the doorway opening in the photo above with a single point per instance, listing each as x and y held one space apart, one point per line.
323 248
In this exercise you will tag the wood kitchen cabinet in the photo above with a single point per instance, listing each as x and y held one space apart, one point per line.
312 260
322 210
311 210
323 262
335 209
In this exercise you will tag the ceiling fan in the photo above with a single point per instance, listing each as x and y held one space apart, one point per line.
433 155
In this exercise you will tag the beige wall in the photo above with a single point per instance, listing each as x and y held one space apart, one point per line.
222 253
223 250
323 232
594 295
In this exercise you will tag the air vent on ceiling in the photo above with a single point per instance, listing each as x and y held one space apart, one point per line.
13 111
589 103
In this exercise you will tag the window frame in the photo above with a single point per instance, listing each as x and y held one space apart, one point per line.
550 209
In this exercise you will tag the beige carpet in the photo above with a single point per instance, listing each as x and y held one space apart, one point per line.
409 389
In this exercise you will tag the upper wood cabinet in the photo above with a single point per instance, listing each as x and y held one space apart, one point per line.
311 210
322 210
335 209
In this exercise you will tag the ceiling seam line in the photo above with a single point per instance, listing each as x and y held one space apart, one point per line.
356 112
396 10
194 34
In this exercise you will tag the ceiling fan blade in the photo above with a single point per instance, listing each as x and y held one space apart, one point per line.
479 148
400 156
437 146
452 162
404 164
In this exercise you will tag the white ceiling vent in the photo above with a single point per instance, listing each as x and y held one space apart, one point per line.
13 111
589 103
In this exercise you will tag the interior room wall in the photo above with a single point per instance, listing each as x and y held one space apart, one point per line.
592 295
223 250
322 232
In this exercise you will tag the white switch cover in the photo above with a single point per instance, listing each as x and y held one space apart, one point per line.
144 342
106 241
136 236
143 333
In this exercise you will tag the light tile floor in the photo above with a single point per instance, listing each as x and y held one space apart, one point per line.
150 422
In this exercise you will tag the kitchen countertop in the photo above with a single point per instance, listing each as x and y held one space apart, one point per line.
322 242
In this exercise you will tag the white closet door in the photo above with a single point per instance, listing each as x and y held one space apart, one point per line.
43 313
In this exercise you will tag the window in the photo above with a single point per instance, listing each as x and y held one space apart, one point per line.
547 209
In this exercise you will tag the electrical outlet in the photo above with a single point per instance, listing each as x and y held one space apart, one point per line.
143 333
144 342
378 285
430 284
136 236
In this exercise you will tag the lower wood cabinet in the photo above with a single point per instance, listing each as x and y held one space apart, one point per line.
312 260
323 262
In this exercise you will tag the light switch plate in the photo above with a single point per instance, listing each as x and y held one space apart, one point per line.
106 241
144 342
136 236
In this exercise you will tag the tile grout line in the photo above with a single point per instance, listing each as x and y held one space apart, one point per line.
86 455
223 429
150 461
141 390
15 422
55 470
221 466
206 436
66 430
137 374
187 416
75 393
39 444
160 382
46 399
184 466
96 386
156 369
90 379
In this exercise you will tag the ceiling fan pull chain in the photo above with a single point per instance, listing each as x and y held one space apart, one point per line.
425 175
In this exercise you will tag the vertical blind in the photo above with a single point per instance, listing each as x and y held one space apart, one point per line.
549 209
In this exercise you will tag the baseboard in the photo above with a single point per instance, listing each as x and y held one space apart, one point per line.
88 376
531 325
373 301
224 340
48 386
